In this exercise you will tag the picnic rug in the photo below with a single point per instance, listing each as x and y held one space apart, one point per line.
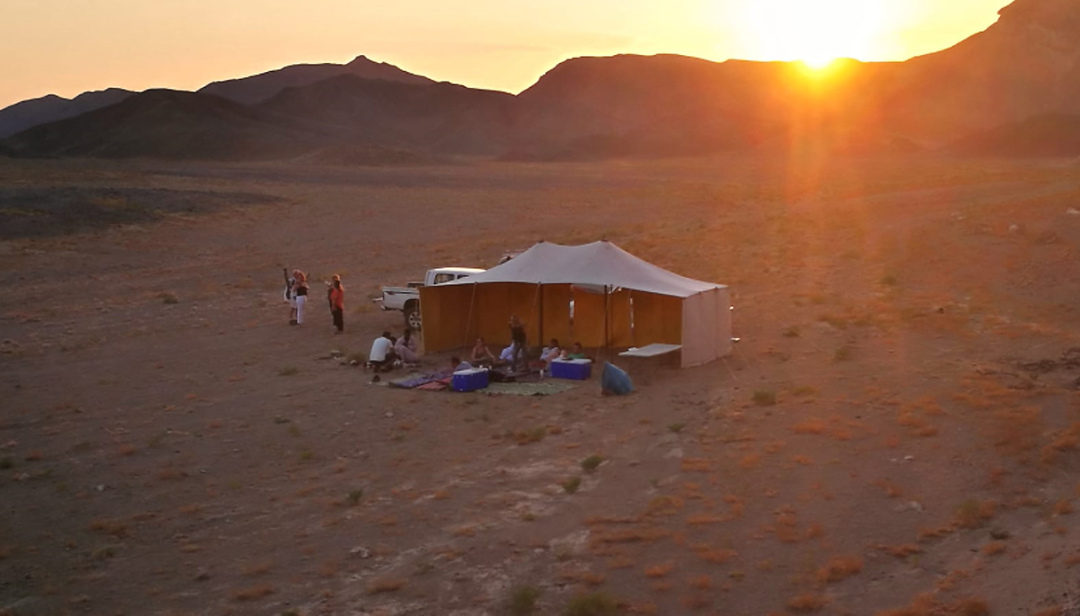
535 388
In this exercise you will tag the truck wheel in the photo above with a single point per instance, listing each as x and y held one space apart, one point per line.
412 317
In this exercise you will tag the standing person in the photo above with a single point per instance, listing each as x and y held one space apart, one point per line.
290 295
405 347
301 291
518 340
337 303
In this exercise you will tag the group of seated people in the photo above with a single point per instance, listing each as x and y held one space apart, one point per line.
388 351
483 357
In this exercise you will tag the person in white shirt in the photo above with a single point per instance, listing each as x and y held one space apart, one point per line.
381 356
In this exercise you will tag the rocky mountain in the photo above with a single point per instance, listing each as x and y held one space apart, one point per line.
169 124
28 113
258 88
1002 90
344 119
1051 135
439 118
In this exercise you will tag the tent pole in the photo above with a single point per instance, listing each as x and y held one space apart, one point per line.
468 322
607 315
540 327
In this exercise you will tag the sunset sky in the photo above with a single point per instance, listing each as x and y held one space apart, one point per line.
68 46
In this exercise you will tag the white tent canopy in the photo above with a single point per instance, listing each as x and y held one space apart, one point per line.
641 303
599 264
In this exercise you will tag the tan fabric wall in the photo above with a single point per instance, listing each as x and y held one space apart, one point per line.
723 322
657 319
707 327
556 301
447 322
454 317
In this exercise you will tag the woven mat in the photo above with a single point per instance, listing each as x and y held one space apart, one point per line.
538 388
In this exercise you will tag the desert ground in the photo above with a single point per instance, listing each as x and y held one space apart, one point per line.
896 433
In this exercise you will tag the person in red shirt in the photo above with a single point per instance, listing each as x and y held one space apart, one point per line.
337 303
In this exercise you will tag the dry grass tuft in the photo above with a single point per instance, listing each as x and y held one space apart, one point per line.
901 551
252 592
695 465
387 584
659 571
807 602
810 426
973 514
257 568
839 568
701 582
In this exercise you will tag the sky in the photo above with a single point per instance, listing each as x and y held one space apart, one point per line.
66 47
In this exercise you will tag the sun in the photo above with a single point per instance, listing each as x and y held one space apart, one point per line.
813 31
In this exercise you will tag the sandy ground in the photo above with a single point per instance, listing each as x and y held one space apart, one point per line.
882 440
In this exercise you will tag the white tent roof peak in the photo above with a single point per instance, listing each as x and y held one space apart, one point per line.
599 263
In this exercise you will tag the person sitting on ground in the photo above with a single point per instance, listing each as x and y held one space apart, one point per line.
481 354
382 357
506 354
456 365
550 352
576 352
405 348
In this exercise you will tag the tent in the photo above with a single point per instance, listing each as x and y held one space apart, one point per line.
597 294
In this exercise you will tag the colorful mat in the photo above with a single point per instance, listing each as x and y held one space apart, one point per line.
536 388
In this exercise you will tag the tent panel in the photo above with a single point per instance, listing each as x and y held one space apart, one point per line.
497 301
620 334
657 319
556 300
723 322
445 312
588 327
699 329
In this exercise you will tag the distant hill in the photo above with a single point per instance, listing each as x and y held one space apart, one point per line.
433 117
258 88
28 113
171 125
1051 135
1027 64
1010 90
343 120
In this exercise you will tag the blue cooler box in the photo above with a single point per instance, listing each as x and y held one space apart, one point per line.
574 369
469 380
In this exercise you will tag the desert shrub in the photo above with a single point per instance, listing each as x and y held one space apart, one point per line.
169 298
523 600
355 496
676 427
591 463
571 485
792 332
844 353
593 604
764 397
289 371
889 280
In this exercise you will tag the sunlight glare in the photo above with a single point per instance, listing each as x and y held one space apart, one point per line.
814 31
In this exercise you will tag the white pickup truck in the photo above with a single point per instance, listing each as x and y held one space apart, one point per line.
407 298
